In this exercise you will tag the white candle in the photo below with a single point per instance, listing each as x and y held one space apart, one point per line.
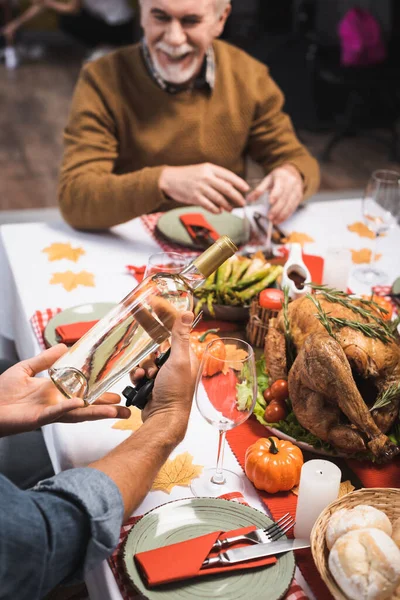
319 486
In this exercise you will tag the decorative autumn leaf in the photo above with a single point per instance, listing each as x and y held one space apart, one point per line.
70 280
345 488
178 471
361 229
363 256
61 251
234 358
296 237
133 423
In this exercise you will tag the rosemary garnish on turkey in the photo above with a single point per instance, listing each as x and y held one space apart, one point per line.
375 330
333 295
391 393
322 316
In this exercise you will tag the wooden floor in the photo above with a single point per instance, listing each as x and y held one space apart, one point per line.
35 100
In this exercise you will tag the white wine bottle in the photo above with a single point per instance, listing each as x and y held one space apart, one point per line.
134 328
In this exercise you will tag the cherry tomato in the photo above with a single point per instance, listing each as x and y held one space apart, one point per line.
274 412
279 389
271 298
383 303
268 397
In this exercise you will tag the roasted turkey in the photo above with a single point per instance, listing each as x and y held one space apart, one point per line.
337 376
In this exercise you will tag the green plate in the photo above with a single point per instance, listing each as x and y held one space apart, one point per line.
170 226
184 519
76 314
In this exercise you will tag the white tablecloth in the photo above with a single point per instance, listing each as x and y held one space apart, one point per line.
25 273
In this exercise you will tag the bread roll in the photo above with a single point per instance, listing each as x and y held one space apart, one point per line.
365 564
396 532
359 517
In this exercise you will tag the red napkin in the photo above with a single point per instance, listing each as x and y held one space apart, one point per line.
191 221
184 559
137 272
71 333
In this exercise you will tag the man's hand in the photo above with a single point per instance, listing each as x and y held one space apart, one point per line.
9 32
285 187
207 185
174 387
28 402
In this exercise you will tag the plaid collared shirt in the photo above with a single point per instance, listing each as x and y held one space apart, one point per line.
205 79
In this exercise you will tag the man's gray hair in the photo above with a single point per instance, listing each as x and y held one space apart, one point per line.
220 5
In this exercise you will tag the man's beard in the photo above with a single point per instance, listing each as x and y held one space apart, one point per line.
175 73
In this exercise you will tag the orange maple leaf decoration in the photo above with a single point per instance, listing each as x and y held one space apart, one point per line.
361 229
59 251
178 471
363 256
345 488
296 237
234 357
70 280
133 423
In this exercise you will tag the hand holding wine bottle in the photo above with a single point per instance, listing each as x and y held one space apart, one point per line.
134 328
172 394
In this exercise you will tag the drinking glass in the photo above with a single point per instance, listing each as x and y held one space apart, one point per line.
226 392
165 262
381 206
337 267
256 223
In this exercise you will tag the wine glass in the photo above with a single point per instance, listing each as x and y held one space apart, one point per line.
165 262
226 392
381 206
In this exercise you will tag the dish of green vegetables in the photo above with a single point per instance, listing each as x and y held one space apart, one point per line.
236 283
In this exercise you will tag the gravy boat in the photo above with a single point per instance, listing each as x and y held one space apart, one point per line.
295 274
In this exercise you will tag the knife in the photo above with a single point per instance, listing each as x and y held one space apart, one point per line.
230 557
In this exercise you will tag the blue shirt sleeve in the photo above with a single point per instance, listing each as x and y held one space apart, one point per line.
61 528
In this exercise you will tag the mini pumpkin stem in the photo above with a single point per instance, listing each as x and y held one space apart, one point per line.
203 336
273 447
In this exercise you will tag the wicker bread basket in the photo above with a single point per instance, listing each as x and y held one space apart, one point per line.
385 499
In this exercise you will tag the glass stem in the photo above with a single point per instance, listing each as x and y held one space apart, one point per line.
373 252
218 476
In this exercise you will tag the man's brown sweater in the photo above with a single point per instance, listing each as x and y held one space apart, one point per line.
123 129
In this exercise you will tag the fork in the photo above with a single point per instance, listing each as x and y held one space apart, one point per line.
260 536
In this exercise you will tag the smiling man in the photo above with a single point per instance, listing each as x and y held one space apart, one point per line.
171 120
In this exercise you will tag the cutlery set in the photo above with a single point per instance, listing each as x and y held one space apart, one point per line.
264 542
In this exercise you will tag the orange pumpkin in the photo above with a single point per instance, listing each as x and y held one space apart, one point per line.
273 465
198 343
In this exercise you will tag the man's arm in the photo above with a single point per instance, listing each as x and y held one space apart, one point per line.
72 7
60 528
72 521
141 456
272 140
12 27
91 195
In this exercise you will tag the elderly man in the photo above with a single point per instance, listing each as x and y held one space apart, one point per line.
171 120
